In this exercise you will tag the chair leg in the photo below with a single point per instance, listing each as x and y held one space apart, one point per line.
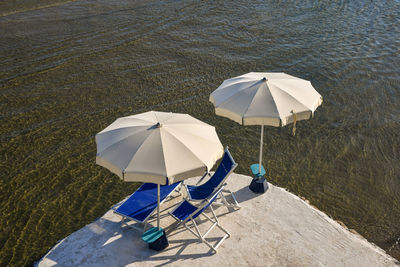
235 205
219 226
176 226
224 202
215 216
197 230
234 199
198 234
179 188
202 237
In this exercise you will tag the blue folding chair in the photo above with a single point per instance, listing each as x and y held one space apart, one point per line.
187 212
143 203
225 168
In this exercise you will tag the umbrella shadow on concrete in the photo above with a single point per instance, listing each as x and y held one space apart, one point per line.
244 194
178 248
106 241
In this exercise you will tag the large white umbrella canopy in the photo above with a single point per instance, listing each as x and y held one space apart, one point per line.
158 147
265 98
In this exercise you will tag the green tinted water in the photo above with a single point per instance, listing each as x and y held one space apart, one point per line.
69 70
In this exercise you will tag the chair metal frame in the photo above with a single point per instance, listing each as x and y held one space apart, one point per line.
205 204
221 184
125 219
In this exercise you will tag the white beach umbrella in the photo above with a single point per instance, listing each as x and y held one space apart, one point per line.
158 147
264 98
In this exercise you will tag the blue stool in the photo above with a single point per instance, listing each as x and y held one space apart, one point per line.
259 184
156 238
254 169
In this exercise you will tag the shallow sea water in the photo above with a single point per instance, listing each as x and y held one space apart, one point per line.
70 68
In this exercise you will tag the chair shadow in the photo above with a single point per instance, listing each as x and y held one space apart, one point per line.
114 245
181 245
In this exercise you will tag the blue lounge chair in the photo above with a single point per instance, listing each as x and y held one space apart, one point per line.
225 168
187 212
143 202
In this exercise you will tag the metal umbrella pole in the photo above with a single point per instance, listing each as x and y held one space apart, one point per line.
261 147
259 183
158 206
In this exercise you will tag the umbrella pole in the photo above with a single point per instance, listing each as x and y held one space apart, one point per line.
261 147
259 184
158 206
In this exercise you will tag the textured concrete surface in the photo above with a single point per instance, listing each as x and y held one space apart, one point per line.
273 229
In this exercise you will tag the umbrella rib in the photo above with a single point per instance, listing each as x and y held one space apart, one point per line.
235 95
197 136
155 115
252 100
204 125
280 116
193 121
247 80
296 99
123 127
171 117
130 118
140 146
272 82
243 89
135 118
186 148
276 106
140 131
279 113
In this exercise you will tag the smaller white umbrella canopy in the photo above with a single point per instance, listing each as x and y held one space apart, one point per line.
265 98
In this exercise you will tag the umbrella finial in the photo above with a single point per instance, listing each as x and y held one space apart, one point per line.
155 126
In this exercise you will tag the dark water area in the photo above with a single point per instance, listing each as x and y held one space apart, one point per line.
69 69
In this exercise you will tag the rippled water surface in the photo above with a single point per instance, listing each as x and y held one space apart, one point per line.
68 69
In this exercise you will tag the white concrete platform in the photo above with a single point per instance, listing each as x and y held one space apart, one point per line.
273 229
